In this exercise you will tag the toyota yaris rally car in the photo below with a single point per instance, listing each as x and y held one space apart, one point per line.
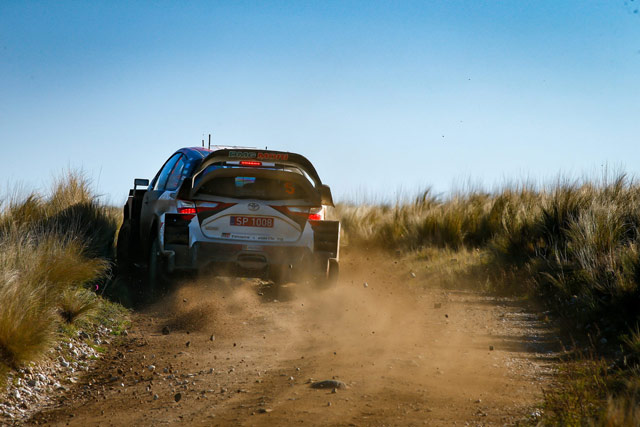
231 211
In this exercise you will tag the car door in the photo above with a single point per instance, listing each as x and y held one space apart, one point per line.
153 198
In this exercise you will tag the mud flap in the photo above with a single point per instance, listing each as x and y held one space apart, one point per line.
326 237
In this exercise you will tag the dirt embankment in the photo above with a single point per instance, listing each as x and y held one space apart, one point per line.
244 352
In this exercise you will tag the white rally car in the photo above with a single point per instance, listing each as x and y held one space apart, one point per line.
231 211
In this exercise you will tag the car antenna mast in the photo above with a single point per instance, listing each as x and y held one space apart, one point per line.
209 141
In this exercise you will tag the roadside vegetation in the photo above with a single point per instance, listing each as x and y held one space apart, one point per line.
56 250
573 245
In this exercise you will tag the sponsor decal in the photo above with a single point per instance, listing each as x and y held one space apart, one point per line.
258 155
243 154
255 238
273 156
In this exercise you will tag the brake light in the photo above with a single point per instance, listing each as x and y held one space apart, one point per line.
316 214
250 163
187 210
312 214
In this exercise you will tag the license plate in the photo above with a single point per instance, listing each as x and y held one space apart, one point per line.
251 221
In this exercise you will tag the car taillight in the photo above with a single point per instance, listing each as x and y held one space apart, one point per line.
312 214
316 214
187 210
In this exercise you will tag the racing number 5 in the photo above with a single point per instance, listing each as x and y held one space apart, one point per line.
289 188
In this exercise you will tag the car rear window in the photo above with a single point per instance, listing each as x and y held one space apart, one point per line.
251 187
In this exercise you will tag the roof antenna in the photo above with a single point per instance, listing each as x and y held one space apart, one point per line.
209 141
202 142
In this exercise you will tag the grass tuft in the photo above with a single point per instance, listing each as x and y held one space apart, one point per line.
76 302
51 249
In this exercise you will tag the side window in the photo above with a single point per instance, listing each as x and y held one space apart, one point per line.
165 171
176 174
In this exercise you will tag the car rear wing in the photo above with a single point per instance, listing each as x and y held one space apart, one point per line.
266 156
254 157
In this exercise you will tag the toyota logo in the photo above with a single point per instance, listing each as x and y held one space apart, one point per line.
254 206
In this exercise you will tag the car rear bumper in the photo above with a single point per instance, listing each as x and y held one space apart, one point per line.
235 259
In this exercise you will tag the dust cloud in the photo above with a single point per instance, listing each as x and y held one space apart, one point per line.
372 322
244 352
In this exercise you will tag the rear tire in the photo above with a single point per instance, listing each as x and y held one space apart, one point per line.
334 272
157 280
135 290
123 249
280 274
328 274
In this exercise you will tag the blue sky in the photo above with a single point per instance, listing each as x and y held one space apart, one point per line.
381 96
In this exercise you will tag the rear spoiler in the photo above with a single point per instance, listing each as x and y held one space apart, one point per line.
279 157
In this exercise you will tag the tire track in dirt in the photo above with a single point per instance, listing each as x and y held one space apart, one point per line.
405 362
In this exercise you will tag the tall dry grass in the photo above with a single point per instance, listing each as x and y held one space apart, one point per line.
574 244
577 242
51 248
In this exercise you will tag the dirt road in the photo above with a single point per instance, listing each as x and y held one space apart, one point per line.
241 352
